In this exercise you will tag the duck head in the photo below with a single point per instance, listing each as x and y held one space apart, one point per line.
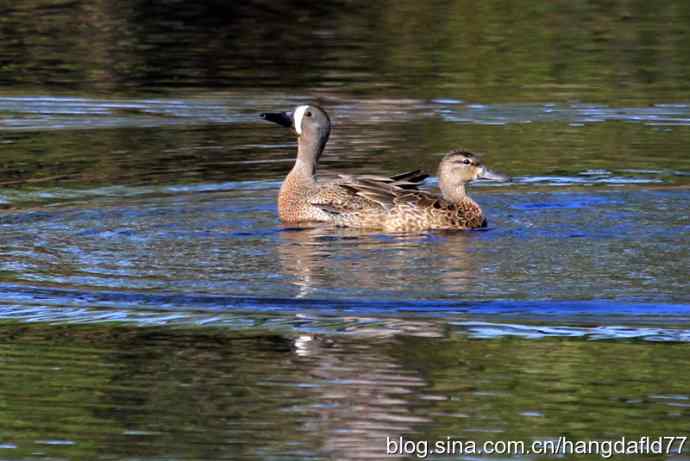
460 167
306 120
311 124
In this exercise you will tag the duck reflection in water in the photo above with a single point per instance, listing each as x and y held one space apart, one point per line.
361 394
326 262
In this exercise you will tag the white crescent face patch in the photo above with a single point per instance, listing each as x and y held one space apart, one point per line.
299 115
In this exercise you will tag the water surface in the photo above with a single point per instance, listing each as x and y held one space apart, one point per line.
153 307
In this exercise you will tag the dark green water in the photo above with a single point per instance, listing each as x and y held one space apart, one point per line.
152 307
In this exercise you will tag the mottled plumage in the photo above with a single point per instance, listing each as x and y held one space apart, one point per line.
391 208
302 197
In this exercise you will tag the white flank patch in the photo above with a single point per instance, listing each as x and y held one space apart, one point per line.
299 114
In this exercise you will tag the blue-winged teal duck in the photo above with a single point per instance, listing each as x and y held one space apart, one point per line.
393 209
302 197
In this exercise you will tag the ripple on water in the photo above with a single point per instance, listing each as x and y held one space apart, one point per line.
227 248
34 112
576 114
369 318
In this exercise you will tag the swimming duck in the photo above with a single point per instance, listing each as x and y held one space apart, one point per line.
301 195
393 209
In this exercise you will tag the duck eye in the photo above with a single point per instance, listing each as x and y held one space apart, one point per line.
308 114
467 161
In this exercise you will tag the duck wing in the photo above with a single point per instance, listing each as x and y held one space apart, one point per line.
410 180
367 193
370 193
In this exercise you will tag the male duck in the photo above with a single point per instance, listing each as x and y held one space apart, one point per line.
394 209
302 197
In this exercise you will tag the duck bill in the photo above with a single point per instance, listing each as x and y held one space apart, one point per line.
485 173
281 118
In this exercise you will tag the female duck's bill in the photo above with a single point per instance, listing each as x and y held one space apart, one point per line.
485 173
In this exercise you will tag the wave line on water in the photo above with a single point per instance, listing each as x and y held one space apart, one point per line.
55 112
36 296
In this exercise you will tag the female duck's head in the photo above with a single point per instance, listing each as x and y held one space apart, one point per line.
310 123
460 167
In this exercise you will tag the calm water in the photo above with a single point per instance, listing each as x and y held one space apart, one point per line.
152 306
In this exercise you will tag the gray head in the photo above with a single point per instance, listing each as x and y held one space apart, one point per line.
460 167
309 122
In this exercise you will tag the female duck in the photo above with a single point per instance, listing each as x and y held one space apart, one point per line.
301 194
393 209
